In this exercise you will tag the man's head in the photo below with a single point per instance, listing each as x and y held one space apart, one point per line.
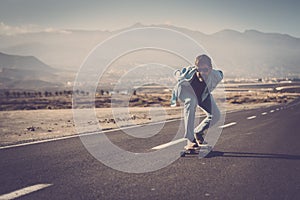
203 62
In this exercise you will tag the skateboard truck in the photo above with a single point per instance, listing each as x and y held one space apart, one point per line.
201 150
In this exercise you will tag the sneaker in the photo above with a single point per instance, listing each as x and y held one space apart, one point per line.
190 145
199 139
195 141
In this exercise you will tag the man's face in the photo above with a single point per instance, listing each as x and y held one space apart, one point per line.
204 70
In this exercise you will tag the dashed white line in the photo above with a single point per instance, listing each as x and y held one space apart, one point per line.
184 139
251 117
271 111
228 125
264 113
24 191
169 144
277 109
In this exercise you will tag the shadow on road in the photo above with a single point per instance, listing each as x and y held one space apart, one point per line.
252 155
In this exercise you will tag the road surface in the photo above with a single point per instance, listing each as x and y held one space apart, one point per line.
256 157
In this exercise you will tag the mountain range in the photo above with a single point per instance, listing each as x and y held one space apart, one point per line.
26 72
249 54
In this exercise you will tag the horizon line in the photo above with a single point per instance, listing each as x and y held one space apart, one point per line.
136 24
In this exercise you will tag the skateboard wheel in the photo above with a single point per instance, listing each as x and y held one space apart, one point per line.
182 154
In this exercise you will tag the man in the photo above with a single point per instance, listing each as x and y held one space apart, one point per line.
194 87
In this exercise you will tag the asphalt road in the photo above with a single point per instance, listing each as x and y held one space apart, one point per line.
257 158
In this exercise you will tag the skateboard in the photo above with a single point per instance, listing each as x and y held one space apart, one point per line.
201 150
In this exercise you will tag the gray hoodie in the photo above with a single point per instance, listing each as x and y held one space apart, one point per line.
186 74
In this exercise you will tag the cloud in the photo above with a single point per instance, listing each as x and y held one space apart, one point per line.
29 28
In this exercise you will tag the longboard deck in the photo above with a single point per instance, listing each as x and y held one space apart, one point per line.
202 151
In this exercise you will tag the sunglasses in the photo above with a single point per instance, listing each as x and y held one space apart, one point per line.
203 69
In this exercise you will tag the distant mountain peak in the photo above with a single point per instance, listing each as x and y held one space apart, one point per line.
256 32
252 31
25 72
227 33
22 62
138 25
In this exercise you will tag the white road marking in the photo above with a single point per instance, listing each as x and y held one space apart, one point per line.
169 143
38 142
23 191
83 134
252 117
264 113
271 111
184 139
277 109
91 133
228 125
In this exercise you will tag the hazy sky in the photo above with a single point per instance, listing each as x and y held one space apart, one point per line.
206 16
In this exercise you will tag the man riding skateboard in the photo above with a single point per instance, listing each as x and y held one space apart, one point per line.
194 87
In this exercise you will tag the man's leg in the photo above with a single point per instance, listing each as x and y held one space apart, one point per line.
187 95
212 112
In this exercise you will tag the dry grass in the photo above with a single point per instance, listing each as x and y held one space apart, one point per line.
51 117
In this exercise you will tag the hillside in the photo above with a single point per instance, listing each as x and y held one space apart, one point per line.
250 54
26 72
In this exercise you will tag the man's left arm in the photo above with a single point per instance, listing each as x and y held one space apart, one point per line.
216 77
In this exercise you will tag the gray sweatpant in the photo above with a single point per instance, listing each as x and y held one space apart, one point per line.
187 95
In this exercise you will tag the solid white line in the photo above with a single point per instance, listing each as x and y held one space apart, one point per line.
83 134
38 142
252 117
24 191
228 125
271 111
169 143
264 113
91 133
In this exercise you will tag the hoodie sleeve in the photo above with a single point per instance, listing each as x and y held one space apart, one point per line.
216 78
219 75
